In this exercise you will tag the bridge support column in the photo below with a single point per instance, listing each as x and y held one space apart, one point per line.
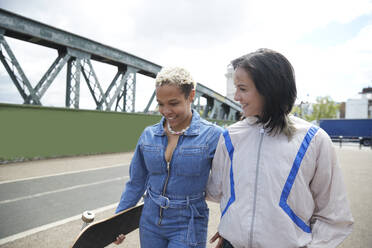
73 83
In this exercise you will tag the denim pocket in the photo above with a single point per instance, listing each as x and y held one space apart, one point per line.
190 162
153 157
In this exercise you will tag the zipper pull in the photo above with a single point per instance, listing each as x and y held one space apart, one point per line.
168 166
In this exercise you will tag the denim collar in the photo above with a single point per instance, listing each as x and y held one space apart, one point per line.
194 128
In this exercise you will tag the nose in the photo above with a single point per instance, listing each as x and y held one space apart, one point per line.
236 96
166 111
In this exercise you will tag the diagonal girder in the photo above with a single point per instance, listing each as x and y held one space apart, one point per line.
12 76
120 86
16 73
113 82
128 95
150 102
51 74
93 83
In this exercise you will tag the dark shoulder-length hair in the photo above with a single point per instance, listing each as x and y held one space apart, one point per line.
274 79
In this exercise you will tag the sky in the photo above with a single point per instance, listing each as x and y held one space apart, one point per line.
328 42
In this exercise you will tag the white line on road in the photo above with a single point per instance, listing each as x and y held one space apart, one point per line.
50 225
62 190
61 174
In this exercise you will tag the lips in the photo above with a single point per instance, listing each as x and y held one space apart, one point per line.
171 120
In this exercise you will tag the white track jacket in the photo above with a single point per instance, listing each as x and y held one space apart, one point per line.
279 193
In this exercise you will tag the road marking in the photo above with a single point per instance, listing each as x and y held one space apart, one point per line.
51 225
63 173
62 190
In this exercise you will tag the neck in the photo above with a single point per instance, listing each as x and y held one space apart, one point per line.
184 124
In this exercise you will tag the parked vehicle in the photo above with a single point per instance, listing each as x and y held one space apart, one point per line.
348 129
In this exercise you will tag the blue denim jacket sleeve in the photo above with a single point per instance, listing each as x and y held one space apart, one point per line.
136 185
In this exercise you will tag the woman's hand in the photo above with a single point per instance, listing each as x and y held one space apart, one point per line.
214 238
119 239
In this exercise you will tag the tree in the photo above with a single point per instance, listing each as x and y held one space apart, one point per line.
324 107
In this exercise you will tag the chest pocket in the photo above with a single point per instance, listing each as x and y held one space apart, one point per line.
152 155
190 161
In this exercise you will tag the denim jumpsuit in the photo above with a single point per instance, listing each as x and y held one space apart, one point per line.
175 213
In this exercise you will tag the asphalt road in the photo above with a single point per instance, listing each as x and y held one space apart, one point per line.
44 211
27 204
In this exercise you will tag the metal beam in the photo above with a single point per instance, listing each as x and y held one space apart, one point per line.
209 92
73 83
93 83
150 102
16 73
51 74
113 82
120 87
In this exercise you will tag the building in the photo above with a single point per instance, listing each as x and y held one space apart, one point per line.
360 108
230 88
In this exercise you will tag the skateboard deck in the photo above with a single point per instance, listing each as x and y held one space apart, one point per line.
104 232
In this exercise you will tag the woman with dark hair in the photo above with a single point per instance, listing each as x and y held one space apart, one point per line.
276 176
171 163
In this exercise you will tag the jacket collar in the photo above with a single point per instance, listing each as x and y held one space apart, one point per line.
251 120
194 128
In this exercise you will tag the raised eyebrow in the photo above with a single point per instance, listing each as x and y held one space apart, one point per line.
240 85
170 101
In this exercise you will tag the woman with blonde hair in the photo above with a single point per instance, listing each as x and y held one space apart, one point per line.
172 163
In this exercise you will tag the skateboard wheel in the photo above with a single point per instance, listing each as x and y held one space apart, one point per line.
87 216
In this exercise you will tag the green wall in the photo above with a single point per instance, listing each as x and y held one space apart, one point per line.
28 132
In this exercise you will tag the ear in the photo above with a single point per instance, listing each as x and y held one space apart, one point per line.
192 96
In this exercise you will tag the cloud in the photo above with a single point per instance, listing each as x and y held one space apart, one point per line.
340 71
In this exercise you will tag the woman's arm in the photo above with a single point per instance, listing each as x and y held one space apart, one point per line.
214 186
332 220
136 185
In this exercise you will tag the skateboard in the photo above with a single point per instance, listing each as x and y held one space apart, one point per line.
104 232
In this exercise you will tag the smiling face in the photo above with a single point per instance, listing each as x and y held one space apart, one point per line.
174 106
246 94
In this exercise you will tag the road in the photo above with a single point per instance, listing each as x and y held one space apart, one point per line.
44 211
26 204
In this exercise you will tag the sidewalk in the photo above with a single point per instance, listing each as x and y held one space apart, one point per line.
37 168
63 235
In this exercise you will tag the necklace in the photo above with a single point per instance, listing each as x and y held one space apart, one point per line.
176 132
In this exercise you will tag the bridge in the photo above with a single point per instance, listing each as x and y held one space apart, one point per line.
77 53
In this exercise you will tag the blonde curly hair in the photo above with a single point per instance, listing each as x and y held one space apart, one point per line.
175 76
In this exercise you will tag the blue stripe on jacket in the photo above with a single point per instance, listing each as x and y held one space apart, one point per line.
291 178
230 150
